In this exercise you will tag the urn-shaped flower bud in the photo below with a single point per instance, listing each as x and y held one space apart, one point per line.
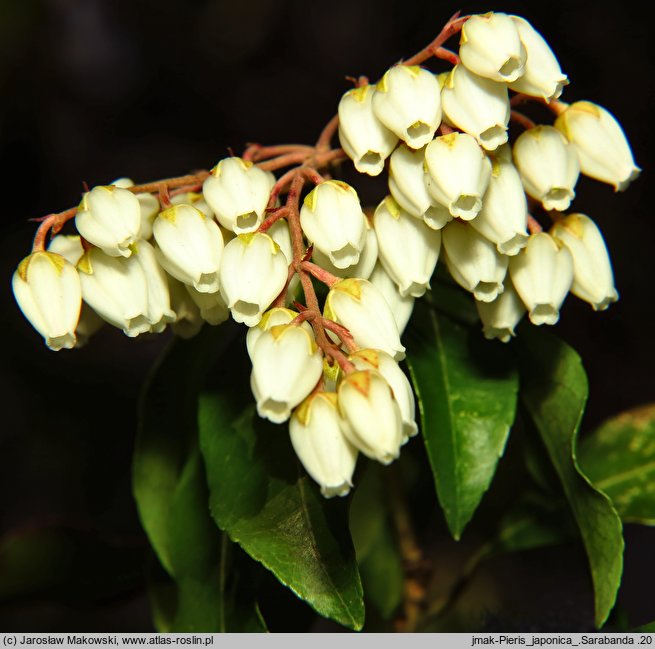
188 321
490 46
374 359
542 274
238 193
548 165
458 173
363 137
47 289
400 306
213 309
321 446
407 186
110 218
360 307
500 317
158 312
273 317
593 280
253 272
117 290
407 102
370 415
477 105
503 218
149 207
473 261
600 143
286 365
542 76
367 258
332 219
189 246
408 248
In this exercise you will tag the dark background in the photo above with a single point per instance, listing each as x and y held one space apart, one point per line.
91 90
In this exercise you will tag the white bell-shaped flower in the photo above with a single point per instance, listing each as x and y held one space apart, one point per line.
370 415
458 173
253 272
542 75
407 186
213 309
321 446
366 141
189 246
374 359
198 201
367 258
400 306
490 46
473 261
238 193
503 218
110 218
332 219
600 143
409 249
407 102
542 274
280 233
273 317
116 289
69 246
286 366
500 317
47 289
360 307
478 106
548 165
159 312
188 321
593 280
148 203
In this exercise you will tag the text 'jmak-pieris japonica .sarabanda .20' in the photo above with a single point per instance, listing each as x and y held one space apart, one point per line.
488 201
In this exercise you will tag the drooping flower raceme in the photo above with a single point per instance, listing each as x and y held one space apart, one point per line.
500 317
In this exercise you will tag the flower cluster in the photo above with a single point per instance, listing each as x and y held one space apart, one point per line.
221 243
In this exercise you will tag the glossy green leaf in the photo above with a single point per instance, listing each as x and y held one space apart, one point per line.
619 458
167 426
261 497
554 392
466 389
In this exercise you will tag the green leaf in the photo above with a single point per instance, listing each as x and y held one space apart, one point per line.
554 392
466 388
260 497
645 628
167 426
376 548
619 458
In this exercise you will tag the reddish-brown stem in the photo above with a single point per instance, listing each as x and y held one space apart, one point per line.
534 227
522 120
273 217
444 129
324 139
306 172
256 152
320 274
342 332
447 55
453 26
555 106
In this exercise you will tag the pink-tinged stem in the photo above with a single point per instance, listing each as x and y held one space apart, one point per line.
534 227
320 273
522 120
453 26
447 55
343 333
